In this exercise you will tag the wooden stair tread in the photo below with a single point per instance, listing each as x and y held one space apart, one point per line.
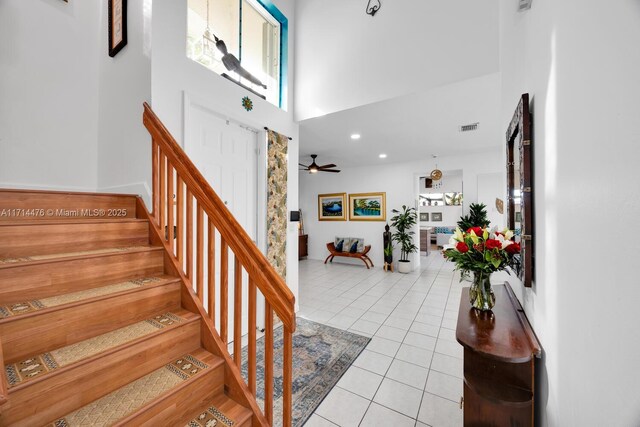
36 205
125 402
38 367
220 405
34 192
40 259
18 309
26 222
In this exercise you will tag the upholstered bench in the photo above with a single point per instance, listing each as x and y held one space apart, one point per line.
360 252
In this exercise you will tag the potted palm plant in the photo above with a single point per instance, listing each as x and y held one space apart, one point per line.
404 221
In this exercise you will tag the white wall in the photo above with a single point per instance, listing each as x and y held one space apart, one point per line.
174 75
346 58
579 61
124 145
492 186
49 94
71 116
398 180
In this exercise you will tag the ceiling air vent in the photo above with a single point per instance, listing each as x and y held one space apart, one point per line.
524 5
469 128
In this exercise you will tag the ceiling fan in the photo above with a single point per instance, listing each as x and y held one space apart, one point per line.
314 168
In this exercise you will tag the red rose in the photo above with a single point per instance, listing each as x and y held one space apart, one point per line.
462 247
476 230
493 244
513 248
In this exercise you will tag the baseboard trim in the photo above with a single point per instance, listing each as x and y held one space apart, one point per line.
138 188
46 187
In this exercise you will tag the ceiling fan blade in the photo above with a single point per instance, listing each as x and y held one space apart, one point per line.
330 165
330 170
306 166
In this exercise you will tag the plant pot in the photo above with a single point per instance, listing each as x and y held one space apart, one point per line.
481 295
388 259
405 267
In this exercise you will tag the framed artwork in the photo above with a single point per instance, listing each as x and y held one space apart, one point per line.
332 207
117 26
368 207
436 216
424 216
453 199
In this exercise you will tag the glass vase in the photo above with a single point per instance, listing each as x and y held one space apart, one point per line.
481 295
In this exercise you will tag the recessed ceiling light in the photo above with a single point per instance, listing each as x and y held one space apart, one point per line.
382 156
355 136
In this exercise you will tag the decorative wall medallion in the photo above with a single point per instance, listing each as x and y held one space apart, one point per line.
247 103
500 205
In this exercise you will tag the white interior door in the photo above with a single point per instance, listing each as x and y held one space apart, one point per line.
226 154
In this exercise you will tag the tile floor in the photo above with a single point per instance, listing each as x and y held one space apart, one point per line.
410 374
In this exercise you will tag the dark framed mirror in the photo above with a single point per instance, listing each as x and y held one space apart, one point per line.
520 187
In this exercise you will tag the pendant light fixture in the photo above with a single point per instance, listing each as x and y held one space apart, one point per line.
208 43
373 6
436 175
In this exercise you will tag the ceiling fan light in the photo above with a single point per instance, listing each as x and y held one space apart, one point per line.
355 136
382 156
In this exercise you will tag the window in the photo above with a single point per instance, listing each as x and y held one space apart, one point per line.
254 35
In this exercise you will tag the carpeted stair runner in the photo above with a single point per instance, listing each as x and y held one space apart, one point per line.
22 307
210 418
71 254
39 365
122 402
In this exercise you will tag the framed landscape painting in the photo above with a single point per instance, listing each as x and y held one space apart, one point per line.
331 207
367 207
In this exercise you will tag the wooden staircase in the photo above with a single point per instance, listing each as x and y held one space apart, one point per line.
106 318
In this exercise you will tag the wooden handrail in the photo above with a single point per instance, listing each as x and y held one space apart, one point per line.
272 286
176 215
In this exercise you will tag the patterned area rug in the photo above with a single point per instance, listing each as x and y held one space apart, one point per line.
321 355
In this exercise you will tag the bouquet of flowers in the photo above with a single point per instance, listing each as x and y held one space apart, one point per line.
482 252
479 249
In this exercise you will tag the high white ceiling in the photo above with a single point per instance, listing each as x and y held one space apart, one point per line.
407 128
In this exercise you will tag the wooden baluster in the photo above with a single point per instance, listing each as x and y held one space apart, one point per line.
237 313
224 291
252 337
170 207
180 220
163 199
189 248
268 363
200 252
211 271
287 376
155 180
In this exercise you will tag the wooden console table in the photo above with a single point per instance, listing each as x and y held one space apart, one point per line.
303 246
500 350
